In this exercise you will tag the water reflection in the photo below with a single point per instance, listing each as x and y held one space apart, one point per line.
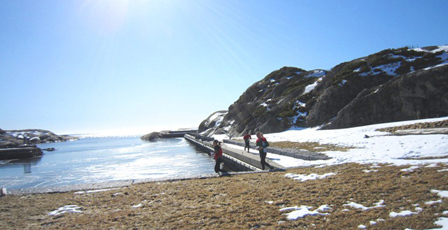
26 164
27 168
93 160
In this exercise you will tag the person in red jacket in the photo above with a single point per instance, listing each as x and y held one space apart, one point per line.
218 155
247 138
262 144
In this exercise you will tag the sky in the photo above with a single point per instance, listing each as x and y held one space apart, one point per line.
85 66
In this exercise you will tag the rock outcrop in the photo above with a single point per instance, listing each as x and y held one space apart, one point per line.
422 94
212 125
154 136
14 138
391 85
20 153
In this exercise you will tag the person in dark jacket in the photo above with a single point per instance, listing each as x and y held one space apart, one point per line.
218 155
247 138
262 144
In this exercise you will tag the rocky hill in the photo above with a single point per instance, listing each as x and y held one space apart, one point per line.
14 138
391 85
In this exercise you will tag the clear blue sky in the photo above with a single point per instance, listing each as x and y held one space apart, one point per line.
76 66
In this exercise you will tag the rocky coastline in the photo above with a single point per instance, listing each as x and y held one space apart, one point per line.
20 144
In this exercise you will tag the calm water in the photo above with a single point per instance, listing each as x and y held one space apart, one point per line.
92 160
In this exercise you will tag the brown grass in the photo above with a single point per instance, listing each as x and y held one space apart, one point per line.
426 158
423 125
244 201
310 146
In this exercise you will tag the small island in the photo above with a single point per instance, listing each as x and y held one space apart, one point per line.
21 144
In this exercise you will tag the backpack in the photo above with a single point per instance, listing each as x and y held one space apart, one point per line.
265 143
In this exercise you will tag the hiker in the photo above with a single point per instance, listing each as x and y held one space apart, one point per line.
247 138
217 155
262 144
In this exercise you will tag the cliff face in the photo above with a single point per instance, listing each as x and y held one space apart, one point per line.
422 94
391 85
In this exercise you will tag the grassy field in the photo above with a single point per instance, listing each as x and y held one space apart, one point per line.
247 201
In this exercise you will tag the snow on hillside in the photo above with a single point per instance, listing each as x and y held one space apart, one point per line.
317 73
390 68
310 87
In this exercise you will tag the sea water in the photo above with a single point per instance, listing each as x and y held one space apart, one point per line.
102 159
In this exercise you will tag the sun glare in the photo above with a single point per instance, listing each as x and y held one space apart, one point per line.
105 16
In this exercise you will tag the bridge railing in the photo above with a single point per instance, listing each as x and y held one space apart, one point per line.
230 160
296 153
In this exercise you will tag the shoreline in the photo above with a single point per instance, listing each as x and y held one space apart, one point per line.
56 172
113 184
347 196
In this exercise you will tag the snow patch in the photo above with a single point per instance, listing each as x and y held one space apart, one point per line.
312 176
433 202
302 211
65 209
410 169
317 73
405 213
310 87
443 194
379 204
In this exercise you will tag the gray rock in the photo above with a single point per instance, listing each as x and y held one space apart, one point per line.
391 85
14 138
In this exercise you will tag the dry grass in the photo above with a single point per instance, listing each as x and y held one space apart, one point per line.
423 125
426 158
245 201
310 146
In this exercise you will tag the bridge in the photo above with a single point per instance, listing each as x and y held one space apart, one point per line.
237 159
234 158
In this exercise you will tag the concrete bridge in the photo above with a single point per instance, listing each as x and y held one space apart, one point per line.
235 158
240 160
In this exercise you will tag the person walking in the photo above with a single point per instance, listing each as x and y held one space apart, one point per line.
247 138
217 155
262 144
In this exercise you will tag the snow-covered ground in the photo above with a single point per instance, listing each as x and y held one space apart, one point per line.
379 147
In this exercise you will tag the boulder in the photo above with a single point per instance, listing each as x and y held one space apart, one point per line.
151 136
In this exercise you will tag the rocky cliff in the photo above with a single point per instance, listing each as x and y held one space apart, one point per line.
391 85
